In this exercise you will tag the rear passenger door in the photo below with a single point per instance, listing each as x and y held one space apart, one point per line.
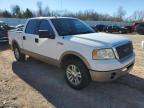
30 36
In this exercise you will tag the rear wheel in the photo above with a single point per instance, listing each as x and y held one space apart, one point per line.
76 74
18 55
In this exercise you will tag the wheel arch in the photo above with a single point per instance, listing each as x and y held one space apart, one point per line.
68 54
14 43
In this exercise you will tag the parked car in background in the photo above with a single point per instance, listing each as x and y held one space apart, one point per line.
134 25
6 26
93 27
115 29
131 28
3 34
99 28
140 29
2 23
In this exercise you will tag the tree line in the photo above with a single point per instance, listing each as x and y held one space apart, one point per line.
119 15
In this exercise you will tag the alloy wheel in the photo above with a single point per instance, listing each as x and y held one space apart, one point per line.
73 74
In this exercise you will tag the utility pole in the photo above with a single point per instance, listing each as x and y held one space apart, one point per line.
61 4
61 13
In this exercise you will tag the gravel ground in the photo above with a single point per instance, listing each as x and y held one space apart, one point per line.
34 84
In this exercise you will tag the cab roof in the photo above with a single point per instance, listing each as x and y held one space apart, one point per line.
52 18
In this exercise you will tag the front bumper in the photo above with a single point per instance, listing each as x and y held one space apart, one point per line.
111 75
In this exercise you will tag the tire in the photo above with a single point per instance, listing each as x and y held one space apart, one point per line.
106 31
18 55
120 31
140 29
76 74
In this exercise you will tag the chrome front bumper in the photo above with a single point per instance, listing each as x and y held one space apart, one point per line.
110 75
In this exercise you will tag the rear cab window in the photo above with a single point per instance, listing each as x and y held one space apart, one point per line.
32 26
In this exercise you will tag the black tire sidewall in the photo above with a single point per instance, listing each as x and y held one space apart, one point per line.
84 72
15 54
21 56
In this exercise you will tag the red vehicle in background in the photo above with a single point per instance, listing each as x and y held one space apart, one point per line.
131 28
134 26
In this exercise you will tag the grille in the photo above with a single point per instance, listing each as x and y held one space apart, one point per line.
124 50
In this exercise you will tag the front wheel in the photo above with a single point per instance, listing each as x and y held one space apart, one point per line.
18 55
76 74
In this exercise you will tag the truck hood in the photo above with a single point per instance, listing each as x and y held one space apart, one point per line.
98 39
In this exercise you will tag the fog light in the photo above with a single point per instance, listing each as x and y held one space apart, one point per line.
113 75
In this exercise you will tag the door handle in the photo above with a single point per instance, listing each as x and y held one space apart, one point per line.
24 38
36 40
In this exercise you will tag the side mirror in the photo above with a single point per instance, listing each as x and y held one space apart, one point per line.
46 34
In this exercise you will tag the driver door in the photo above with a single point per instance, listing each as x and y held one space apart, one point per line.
46 46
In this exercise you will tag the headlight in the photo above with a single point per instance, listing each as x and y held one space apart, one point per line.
103 54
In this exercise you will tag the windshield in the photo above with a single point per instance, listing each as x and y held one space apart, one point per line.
65 26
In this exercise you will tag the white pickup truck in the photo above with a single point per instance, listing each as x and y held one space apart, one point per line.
72 45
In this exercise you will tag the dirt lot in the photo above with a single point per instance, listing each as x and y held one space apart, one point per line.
33 84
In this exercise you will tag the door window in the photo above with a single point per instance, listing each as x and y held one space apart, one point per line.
45 25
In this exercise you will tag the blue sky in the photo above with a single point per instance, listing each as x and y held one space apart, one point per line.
101 6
